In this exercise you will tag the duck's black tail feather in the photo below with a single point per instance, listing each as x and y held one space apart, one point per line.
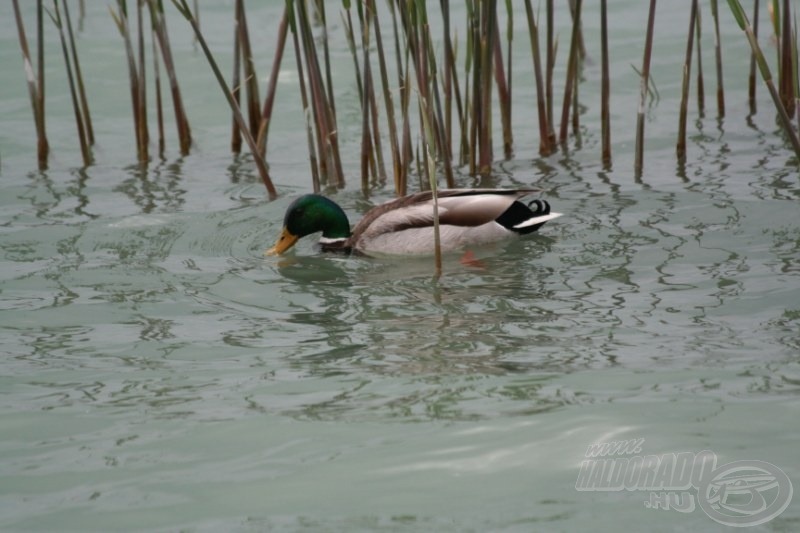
515 217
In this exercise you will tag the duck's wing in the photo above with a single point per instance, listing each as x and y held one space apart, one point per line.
475 208
457 207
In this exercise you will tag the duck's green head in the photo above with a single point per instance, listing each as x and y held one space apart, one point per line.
309 214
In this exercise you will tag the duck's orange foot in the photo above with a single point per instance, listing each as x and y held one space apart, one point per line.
469 259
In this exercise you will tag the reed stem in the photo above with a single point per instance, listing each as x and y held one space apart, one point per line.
751 81
347 20
160 25
85 154
431 172
312 152
786 121
159 100
43 146
141 92
541 102
366 141
272 86
320 4
687 71
785 76
643 87
429 63
84 103
605 87
447 77
121 21
572 73
718 57
379 170
388 101
248 65
796 63
701 90
323 112
183 7
35 86
236 83
503 91
551 62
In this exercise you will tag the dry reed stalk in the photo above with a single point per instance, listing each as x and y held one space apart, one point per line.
320 9
378 168
429 63
425 72
196 11
487 41
236 83
249 68
541 103
484 43
472 89
550 67
367 157
460 109
452 90
796 63
644 84
503 87
406 147
751 80
718 57
160 26
84 144
312 153
35 85
785 77
323 110
701 91
773 8
447 77
420 47
141 93
159 102
272 86
121 21
509 68
570 85
687 71
406 150
605 87
43 146
430 170
87 116
387 99
299 22
786 121
397 48
581 44
347 20
183 7
576 122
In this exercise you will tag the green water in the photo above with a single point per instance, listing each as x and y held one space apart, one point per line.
158 373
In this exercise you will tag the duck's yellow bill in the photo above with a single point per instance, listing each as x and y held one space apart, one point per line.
284 242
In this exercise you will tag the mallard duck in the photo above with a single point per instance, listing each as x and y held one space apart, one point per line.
404 226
